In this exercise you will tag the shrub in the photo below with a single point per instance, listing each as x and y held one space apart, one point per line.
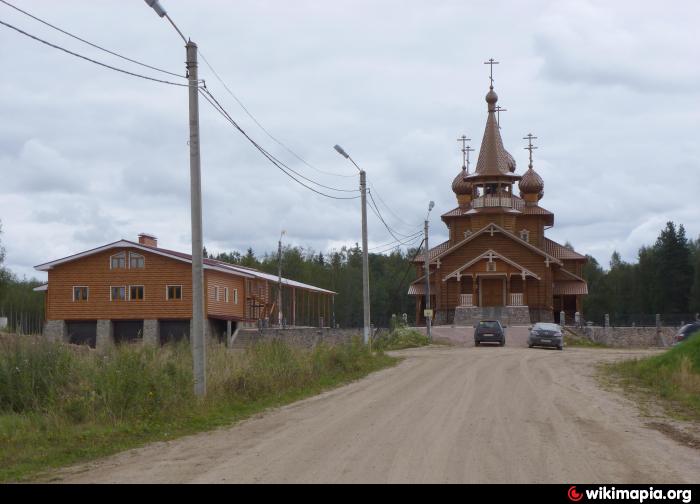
400 338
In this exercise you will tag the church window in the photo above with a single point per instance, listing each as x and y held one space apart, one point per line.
491 266
525 235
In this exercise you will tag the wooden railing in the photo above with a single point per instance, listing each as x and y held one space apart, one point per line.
493 202
466 300
517 300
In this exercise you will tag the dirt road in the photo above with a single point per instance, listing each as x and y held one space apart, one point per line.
452 415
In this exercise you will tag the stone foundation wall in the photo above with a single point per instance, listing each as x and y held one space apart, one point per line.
56 331
300 337
469 316
629 337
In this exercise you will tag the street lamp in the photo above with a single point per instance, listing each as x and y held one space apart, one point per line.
197 336
365 258
428 317
279 286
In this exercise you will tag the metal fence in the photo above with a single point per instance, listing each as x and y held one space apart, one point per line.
643 320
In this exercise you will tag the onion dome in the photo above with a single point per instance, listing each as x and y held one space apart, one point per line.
512 165
491 98
461 185
531 183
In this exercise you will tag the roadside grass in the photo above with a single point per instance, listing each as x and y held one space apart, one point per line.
574 342
401 338
673 377
61 405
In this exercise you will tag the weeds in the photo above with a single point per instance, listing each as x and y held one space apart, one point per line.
60 405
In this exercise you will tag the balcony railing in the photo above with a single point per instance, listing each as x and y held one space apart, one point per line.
517 300
493 202
466 300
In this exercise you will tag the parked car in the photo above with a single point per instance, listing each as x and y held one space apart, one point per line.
686 332
543 334
489 331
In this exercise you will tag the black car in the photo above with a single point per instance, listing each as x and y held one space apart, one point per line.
686 332
489 331
549 335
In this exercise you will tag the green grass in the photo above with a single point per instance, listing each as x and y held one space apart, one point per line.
570 341
60 405
673 377
401 338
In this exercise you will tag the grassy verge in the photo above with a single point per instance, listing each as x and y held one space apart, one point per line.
60 405
401 338
673 377
573 342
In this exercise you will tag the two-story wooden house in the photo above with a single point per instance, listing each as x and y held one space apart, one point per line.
127 291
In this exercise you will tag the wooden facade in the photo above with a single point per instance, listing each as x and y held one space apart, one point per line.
497 254
128 281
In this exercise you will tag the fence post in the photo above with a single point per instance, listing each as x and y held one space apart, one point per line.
562 318
659 337
608 331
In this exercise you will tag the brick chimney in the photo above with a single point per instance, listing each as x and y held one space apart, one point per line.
148 240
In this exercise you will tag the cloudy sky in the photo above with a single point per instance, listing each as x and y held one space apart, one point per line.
89 156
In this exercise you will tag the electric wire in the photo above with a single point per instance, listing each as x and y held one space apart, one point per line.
105 65
392 232
90 43
374 189
265 130
276 162
392 242
399 245
408 268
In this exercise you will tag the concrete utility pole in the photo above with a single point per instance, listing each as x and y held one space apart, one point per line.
280 316
197 337
428 319
365 257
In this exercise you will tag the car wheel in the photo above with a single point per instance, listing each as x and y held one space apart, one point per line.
561 347
530 346
476 343
503 343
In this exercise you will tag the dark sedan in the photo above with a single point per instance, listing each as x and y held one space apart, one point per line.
489 331
548 335
686 332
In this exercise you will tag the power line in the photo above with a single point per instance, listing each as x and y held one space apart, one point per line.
279 164
255 120
398 245
376 211
374 189
91 60
90 43
418 233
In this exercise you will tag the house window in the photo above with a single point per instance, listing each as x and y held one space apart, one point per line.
216 293
174 292
118 293
491 266
226 294
136 261
80 293
235 296
118 261
136 293
525 235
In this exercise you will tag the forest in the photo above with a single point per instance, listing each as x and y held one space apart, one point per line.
665 279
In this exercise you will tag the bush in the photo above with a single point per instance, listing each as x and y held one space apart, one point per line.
401 338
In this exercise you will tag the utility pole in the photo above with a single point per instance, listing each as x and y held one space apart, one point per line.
279 284
365 260
428 317
197 337
365 257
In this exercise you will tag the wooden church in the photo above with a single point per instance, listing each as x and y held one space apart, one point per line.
498 263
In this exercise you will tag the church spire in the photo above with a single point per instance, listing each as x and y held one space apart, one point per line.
493 158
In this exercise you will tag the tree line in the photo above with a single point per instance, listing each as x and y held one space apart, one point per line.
664 280
341 271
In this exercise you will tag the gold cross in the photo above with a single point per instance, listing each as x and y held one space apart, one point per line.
492 62
530 137
465 150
